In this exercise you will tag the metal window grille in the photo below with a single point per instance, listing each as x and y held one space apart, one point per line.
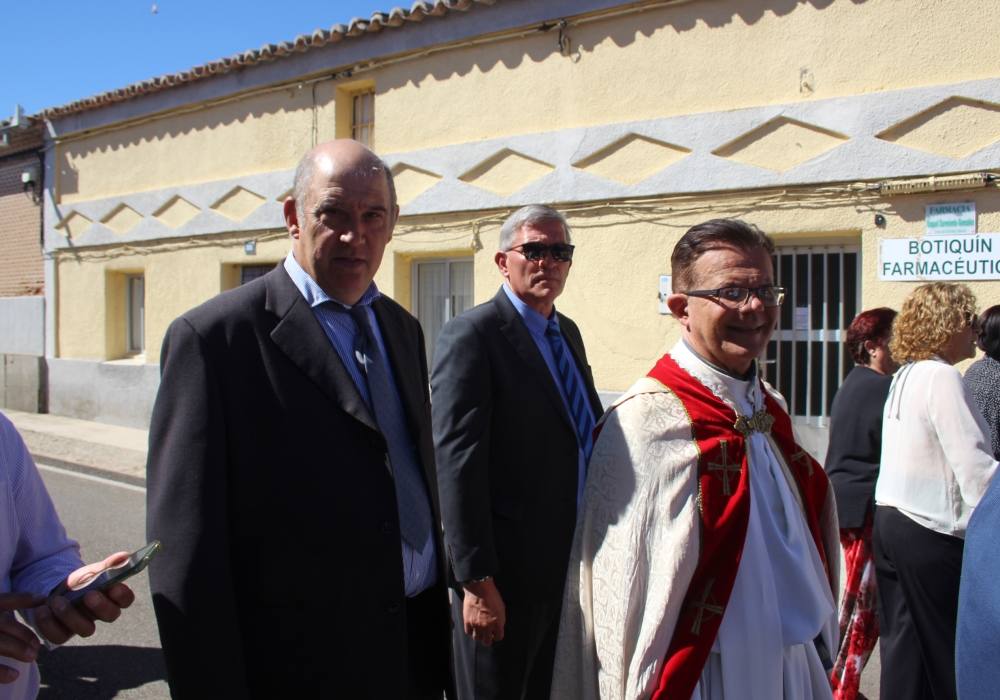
252 272
363 118
442 289
807 358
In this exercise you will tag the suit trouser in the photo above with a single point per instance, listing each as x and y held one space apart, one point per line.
519 667
427 644
918 573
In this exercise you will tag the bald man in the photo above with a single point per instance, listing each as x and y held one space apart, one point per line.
291 468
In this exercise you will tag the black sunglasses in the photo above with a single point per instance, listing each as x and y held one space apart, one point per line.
560 252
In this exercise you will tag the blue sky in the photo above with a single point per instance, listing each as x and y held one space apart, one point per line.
58 51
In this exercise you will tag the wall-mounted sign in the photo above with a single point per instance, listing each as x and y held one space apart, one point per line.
951 219
665 282
945 258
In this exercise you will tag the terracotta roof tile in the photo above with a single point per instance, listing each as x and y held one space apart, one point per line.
357 27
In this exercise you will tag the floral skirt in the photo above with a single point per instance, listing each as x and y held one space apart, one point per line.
858 613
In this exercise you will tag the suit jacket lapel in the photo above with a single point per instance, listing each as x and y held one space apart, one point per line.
299 335
512 326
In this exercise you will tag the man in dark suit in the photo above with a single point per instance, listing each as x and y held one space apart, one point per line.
514 408
291 471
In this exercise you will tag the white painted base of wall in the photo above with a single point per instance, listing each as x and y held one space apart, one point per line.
107 392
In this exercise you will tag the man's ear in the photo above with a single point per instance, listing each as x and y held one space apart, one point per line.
501 260
678 305
291 216
395 220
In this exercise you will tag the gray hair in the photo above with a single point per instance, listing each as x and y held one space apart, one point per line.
307 168
528 216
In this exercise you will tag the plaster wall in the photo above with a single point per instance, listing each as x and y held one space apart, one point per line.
693 57
684 59
243 136
611 292
91 313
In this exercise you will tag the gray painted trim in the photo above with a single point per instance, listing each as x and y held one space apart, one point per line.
107 392
861 156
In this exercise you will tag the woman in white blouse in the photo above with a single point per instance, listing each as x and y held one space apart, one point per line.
936 464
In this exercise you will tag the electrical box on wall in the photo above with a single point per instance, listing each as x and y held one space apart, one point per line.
665 282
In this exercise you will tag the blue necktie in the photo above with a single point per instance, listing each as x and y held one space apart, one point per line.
411 494
575 398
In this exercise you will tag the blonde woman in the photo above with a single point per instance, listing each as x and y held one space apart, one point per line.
936 464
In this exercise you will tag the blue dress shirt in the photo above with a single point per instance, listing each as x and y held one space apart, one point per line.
536 324
419 568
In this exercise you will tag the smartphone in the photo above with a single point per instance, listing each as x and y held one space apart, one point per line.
132 565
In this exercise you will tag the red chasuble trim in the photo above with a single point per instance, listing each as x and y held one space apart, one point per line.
724 506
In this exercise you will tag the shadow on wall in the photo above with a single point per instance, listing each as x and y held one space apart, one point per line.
97 672
585 38
205 119
510 54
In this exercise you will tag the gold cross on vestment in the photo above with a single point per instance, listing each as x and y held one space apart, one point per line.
759 422
803 456
725 466
703 607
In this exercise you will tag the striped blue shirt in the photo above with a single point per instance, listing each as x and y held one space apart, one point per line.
419 569
35 553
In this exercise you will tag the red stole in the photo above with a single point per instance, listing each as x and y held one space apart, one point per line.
724 506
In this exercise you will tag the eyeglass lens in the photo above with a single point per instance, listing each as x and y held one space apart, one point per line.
769 296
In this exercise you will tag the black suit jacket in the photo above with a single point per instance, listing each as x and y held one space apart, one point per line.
852 459
281 570
506 451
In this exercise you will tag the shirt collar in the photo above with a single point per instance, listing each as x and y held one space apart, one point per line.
314 294
535 322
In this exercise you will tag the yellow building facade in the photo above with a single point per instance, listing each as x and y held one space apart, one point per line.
836 126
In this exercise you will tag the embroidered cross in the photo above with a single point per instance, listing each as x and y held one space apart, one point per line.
759 422
725 466
803 457
703 606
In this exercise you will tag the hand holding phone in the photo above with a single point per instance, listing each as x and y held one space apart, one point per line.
65 613
103 575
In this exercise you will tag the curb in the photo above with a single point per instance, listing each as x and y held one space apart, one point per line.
43 460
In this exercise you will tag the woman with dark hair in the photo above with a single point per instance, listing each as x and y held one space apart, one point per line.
936 464
983 376
852 464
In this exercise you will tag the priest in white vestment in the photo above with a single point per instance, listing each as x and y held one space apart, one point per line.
706 553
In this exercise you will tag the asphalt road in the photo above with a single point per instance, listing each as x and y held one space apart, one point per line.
122 660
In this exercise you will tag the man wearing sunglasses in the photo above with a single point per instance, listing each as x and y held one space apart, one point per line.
513 411
706 558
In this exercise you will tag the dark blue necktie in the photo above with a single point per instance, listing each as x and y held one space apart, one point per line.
575 398
411 494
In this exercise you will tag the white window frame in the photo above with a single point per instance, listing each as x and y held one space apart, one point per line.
363 130
449 302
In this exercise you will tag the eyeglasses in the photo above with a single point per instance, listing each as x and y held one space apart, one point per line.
560 252
735 297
